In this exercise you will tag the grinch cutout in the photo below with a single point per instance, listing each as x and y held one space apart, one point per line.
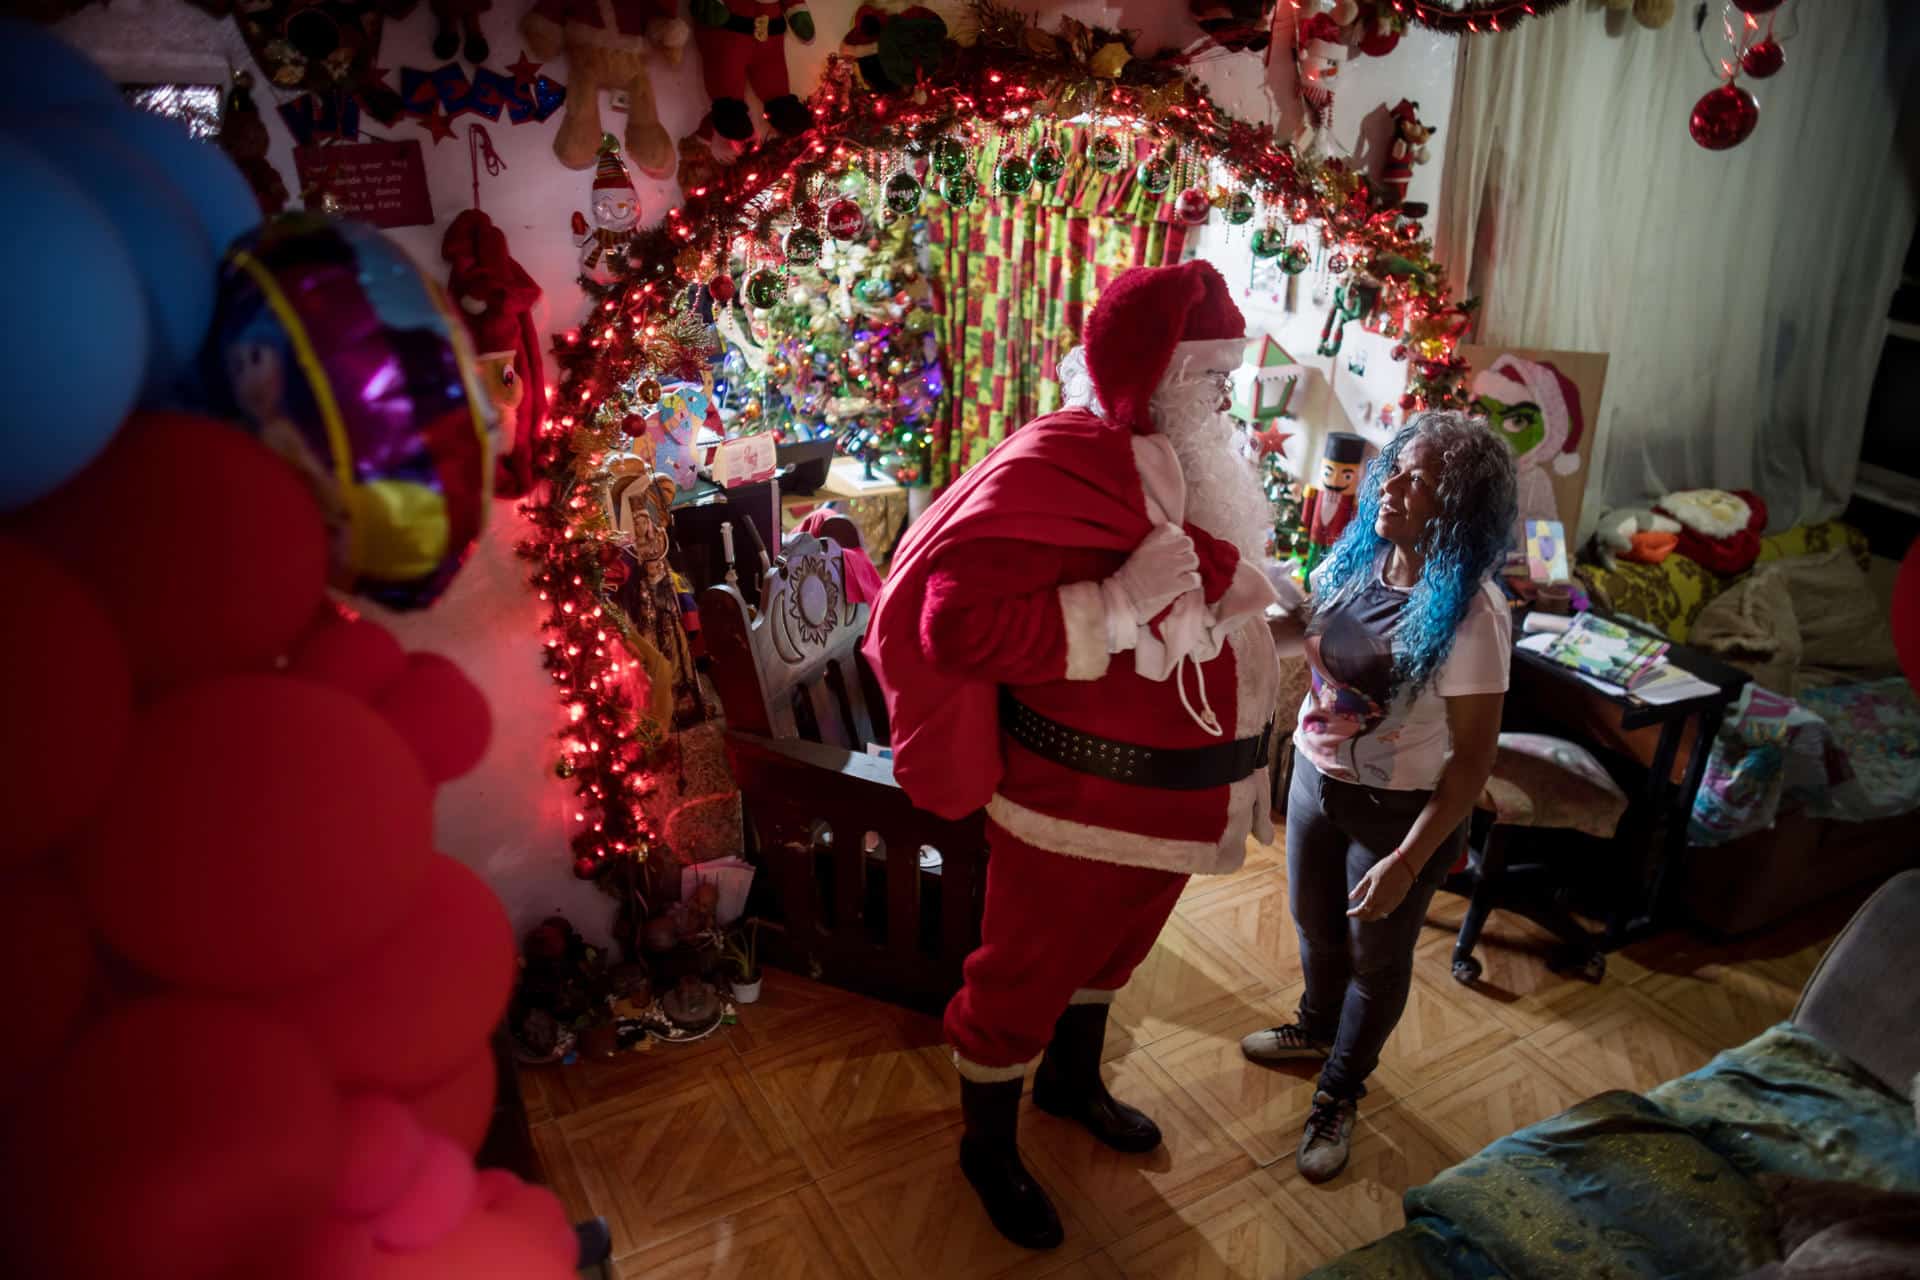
1537 410
1409 149
743 44
609 44
616 209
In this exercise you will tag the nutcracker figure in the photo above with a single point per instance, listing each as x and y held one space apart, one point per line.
1329 504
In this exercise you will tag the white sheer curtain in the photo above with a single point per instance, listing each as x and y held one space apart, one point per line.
1741 294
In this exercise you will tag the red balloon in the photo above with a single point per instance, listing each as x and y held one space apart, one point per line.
1724 118
419 1004
441 1194
44 940
441 713
385 1146
207 550
1906 615
347 652
263 831
1763 59
520 1234
181 1137
68 694
461 1106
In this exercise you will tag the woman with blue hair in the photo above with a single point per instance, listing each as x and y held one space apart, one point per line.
1408 640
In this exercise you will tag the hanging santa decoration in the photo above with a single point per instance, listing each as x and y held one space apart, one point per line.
1329 34
743 43
1409 148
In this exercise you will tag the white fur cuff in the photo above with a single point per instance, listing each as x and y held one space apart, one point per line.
970 1070
1084 611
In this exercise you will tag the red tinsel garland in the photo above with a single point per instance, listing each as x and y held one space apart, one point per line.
1474 16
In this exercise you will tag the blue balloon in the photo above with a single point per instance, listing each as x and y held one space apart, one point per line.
73 335
173 258
201 171
39 70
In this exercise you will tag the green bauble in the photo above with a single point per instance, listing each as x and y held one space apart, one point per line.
1296 259
962 189
1269 242
1048 164
950 157
1239 208
1012 176
903 193
765 289
1106 154
803 246
1156 175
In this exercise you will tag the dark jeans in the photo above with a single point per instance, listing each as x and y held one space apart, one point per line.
1358 972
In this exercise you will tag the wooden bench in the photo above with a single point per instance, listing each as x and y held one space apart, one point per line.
875 895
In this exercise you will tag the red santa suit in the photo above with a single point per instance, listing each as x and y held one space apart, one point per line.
743 42
1112 766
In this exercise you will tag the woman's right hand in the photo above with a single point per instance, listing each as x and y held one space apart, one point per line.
1164 567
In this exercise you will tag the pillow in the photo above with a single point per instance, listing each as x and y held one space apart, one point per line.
1753 625
1845 635
1541 781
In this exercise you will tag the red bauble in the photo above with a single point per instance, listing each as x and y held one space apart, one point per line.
408 1012
1724 118
1193 205
68 694
1906 615
206 548
440 712
1763 59
180 1137
845 220
721 287
1756 6
263 830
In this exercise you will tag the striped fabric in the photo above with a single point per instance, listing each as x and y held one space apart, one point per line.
1014 278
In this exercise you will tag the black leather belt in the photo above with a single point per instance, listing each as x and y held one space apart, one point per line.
1164 768
746 26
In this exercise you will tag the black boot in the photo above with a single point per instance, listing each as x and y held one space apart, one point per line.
1068 1083
475 46
731 121
446 39
788 115
989 1157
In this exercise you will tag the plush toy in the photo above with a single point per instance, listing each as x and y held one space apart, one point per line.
1329 506
1329 34
608 44
496 296
1633 533
1719 530
1235 24
743 43
616 208
1409 149
894 44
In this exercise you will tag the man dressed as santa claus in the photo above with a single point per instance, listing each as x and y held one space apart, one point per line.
1074 638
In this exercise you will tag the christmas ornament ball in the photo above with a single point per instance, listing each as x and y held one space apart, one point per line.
1239 211
764 289
962 189
1156 175
721 287
803 246
845 220
903 192
1763 59
1193 206
1013 175
1106 154
1048 163
1269 242
950 157
1338 264
648 391
808 214
1294 259
1724 118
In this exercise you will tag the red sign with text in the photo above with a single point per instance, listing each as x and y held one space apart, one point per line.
384 183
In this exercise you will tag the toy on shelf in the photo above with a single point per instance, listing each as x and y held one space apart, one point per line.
1329 505
608 44
616 210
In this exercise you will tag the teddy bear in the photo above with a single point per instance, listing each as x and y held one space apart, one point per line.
1409 149
602 56
742 43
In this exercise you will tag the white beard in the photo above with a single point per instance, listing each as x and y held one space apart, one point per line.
1223 492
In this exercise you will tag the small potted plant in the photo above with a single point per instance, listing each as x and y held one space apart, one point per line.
743 951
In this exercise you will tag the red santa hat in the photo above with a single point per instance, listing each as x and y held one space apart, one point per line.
490 288
1148 317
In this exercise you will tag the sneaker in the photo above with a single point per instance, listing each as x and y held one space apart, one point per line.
1328 1139
1287 1043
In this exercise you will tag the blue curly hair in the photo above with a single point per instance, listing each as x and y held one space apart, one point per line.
1465 543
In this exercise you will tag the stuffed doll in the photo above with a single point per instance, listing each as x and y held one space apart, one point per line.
893 45
743 43
1718 529
496 298
602 56
616 208
1409 149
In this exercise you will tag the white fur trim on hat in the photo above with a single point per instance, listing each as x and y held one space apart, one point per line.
1214 355
1714 513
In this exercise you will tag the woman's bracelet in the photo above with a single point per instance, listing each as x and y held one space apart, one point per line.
1401 862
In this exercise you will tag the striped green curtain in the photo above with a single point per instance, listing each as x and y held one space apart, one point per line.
1014 279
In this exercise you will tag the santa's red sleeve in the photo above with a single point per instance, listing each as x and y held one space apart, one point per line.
1000 610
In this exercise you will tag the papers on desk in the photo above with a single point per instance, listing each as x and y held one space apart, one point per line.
1667 684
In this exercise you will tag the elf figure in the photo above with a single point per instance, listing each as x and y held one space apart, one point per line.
1329 505
616 207
742 43
496 297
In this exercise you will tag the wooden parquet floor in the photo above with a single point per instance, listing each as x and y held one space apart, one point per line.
817 1137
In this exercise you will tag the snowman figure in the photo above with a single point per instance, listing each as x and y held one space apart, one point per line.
616 210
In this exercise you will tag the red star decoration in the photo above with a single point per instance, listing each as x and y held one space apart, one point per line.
524 70
1272 440
438 125
376 77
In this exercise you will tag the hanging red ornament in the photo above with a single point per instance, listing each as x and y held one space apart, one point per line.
1724 118
721 287
845 220
1193 205
808 214
1756 6
1763 59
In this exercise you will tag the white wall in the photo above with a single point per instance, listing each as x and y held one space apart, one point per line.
509 818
